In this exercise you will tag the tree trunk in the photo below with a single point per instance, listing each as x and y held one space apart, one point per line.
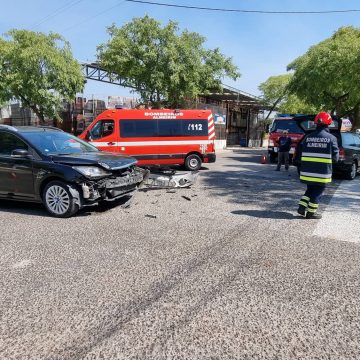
39 114
356 118
273 107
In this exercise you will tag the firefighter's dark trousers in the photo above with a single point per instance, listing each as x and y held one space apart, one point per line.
283 157
310 200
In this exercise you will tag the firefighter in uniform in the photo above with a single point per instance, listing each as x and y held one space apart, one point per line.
317 151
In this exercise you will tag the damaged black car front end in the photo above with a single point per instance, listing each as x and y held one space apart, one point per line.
103 176
63 172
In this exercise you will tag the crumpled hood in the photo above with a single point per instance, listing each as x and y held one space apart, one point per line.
106 160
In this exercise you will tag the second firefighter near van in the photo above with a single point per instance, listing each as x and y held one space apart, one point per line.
317 151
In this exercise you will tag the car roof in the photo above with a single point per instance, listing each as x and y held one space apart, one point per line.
23 129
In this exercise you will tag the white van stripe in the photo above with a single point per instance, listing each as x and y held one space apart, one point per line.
211 135
152 143
211 129
210 116
211 123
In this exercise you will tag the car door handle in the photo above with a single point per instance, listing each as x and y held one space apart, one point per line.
111 143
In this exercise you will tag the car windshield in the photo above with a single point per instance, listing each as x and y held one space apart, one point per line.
57 142
289 125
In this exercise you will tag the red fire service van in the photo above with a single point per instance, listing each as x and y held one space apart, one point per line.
156 137
284 122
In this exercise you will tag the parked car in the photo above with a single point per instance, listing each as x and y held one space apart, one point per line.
349 146
349 157
43 164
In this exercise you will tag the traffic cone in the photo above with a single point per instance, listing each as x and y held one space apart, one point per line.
263 159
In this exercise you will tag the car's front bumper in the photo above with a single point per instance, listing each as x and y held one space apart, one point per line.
113 187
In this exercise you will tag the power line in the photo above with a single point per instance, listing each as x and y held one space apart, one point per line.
242 10
56 12
93 17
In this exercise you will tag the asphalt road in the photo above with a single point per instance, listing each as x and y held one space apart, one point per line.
224 270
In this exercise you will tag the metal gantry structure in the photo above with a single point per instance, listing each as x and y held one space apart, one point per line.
94 72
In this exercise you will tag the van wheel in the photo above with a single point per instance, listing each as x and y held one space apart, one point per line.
193 162
58 199
351 172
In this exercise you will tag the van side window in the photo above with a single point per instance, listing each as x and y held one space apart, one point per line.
102 128
138 128
9 143
163 128
195 127
170 128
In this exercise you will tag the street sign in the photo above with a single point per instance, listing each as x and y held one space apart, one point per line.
219 119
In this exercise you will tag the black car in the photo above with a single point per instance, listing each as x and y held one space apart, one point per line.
349 146
349 157
44 164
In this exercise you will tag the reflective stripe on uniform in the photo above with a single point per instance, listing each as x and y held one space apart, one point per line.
303 203
312 207
314 179
317 155
314 159
322 176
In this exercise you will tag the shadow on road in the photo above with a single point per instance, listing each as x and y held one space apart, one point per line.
36 209
247 182
267 214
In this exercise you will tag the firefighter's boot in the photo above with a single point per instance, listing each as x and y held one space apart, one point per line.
315 216
312 211
301 210
303 205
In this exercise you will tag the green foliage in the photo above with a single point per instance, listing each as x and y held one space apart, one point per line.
39 70
276 95
293 105
328 74
165 67
274 89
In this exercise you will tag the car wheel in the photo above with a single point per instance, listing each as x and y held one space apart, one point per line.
193 162
59 200
351 172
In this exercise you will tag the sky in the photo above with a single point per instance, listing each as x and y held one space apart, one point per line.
261 45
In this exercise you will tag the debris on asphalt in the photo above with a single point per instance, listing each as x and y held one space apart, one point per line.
186 197
151 216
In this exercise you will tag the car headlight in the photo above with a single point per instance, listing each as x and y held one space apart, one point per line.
91 171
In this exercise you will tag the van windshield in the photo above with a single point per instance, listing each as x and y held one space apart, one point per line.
289 125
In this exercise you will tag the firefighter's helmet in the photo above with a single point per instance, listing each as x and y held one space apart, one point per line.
323 118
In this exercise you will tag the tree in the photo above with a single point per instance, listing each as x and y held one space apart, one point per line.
276 95
39 70
328 75
165 67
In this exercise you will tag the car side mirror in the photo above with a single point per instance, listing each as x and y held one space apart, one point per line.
20 153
